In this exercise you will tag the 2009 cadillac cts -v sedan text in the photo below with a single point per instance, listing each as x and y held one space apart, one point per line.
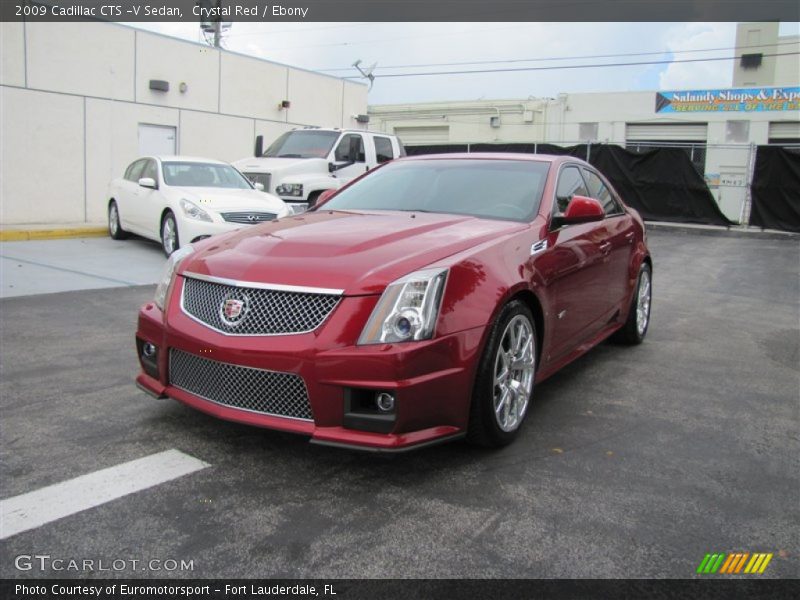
419 304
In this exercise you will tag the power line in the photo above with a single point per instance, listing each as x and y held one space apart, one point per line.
563 67
543 59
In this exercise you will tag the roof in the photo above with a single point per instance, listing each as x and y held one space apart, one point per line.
189 159
496 156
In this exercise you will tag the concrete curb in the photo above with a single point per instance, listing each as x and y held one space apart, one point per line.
17 235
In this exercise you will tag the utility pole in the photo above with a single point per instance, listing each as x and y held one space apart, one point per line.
218 25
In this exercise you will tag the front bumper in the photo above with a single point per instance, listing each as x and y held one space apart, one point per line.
431 380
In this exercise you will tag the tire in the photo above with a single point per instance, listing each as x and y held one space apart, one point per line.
169 233
638 320
502 395
115 229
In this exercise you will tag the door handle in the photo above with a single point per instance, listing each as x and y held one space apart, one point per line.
605 247
629 237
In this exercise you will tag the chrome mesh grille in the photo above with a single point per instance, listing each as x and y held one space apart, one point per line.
248 218
262 178
263 312
256 390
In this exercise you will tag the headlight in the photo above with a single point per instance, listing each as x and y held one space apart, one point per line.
191 210
290 189
169 270
407 309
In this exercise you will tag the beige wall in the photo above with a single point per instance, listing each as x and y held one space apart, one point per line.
100 66
41 148
60 95
12 54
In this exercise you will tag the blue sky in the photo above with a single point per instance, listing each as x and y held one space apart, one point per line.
319 46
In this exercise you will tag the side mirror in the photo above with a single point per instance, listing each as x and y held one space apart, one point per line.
331 167
323 197
259 149
259 186
583 210
148 182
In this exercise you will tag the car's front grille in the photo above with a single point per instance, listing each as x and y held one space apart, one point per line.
256 390
248 218
262 178
237 310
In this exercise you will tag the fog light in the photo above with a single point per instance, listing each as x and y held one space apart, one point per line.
385 402
148 350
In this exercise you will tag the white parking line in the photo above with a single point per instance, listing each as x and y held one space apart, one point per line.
34 509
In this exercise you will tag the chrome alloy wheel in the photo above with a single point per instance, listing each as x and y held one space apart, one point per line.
643 302
513 373
169 235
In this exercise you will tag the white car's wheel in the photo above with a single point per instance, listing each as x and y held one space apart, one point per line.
115 229
169 234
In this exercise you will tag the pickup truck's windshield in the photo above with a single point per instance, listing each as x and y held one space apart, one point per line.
486 188
305 143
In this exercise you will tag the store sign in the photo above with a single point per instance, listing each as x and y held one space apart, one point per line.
735 100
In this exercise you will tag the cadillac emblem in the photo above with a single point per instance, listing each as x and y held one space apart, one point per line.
233 309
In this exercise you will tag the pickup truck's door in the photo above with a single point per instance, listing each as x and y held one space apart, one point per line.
350 149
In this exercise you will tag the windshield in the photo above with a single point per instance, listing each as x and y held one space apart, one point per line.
306 143
192 174
489 188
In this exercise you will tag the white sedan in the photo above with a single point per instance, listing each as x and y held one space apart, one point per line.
178 199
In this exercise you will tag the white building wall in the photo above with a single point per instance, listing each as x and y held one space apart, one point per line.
70 113
12 54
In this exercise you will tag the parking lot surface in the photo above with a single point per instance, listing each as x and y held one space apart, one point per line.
634 462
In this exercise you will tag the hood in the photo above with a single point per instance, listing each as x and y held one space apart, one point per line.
222 199
282 166
359 252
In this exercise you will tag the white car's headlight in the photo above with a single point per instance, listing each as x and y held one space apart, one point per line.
191 210
407 310
169 270
290 189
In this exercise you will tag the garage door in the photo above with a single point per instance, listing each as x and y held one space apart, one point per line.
784 131
666 132
413 136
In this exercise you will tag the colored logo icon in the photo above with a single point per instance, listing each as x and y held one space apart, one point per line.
735 563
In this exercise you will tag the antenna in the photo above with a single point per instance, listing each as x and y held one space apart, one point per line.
366 73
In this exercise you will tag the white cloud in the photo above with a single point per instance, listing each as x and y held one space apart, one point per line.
703 75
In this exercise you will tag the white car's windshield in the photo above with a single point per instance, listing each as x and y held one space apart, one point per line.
192 174
306 143
495 189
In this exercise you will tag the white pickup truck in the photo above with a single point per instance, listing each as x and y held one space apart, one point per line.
303 163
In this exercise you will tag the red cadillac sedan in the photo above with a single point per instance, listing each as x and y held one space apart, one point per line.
419 304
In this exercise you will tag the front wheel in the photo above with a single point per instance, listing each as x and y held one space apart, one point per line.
635 327
169 234
504 386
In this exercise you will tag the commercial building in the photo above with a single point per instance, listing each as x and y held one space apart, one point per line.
80 101
719 129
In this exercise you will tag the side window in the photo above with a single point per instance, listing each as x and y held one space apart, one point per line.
383 149
134 172
150 170
599 190
570 183
343 149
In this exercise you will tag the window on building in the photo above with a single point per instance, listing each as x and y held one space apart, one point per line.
587 132
737 132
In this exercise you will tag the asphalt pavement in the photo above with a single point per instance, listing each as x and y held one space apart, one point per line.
634 462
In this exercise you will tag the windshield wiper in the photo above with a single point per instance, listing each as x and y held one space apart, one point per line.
289 156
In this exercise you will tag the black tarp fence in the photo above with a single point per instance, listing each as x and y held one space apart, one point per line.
776 189
661 184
